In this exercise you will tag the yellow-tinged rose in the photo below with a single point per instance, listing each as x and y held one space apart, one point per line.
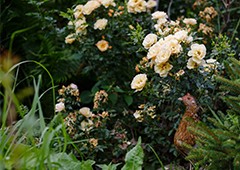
138 82
85 111
159 15
107 3
100 24
190 21
163 69
149 40
163 54
181 35
154 50
90 6
151 3
80 25
78 11
197 52
102 45
175 46
191 64
70 39
93 142
136 6
86 125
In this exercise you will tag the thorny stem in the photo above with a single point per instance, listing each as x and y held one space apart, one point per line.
227 4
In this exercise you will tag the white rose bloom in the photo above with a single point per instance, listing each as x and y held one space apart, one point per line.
80 25
139 82
100 24
189 39
90 6
151 3
211 61
190 21
86 125
136 6
59 107
197 52
149 40
163 69
107 3
73 86
154 50
78 11
163 55
192 64
181 35
137 115
85 111
159 15
175 46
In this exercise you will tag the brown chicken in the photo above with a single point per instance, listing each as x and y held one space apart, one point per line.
182 134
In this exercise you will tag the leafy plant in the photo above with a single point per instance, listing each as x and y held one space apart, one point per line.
218 147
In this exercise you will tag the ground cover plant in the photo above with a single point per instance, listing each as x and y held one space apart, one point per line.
96 83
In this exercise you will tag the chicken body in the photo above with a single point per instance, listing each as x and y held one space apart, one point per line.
182 134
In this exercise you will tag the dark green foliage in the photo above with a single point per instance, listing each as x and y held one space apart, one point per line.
219 147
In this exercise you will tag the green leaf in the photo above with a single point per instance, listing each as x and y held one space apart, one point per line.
118 89
86 97
134 158
109 166
113 98
87 165
128 99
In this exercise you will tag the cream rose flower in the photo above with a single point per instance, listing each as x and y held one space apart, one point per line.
181 35
80 25
100 24
107 3
59 107
85 111
78 11
70 39
159 15
151 3
102 45
138 82
191 64
149 40
90 6
175 46
73 86
190 21
154 50
163 69
163 55
136 6
197 52
86 125
93 142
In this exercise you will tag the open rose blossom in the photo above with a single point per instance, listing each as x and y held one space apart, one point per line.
100 24
149 40
197 52
139 82
85 111
102 45
90 6
70 39
189 21
59 107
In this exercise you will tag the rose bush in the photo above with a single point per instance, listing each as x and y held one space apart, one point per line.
126 46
